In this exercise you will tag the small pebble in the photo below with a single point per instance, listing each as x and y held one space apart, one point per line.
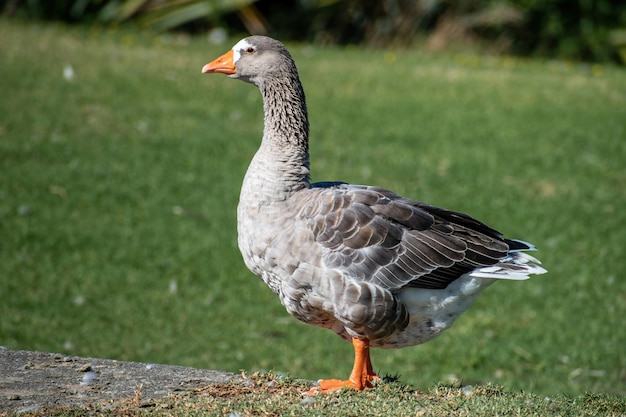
89 378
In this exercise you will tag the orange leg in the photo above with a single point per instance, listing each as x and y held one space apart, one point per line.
361 376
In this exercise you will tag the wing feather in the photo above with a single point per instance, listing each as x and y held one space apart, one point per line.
374 235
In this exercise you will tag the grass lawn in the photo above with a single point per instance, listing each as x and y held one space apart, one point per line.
270 395
120 173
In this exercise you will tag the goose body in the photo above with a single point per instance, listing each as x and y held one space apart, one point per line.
378 269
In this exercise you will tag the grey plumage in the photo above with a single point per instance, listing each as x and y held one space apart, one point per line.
359 260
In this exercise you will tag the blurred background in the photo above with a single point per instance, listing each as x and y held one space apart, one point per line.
121 164
591 30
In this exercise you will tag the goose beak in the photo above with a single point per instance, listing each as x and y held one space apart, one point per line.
223 64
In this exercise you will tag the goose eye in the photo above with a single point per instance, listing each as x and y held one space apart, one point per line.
249 50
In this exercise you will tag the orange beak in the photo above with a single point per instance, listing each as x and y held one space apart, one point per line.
223 64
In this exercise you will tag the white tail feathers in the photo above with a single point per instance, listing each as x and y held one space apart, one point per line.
517 266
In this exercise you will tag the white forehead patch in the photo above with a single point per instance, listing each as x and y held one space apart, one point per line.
242 44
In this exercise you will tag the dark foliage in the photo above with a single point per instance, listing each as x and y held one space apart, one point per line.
591 30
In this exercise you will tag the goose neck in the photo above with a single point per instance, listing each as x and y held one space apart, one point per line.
284 151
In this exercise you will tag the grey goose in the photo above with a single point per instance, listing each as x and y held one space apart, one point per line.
378 269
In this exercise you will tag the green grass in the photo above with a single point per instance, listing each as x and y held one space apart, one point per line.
269 395
118 192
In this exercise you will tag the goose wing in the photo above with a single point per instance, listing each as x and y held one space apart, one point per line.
374 235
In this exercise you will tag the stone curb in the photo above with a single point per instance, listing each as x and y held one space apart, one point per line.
31 381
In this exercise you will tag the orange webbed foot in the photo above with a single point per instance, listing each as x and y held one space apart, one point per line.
328 386
362 375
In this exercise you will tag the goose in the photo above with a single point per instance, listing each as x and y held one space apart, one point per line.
380 270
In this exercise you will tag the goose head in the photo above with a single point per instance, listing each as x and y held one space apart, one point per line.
253 59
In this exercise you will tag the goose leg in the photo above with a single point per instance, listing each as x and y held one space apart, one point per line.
362 374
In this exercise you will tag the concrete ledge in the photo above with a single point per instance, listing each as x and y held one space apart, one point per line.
31 381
